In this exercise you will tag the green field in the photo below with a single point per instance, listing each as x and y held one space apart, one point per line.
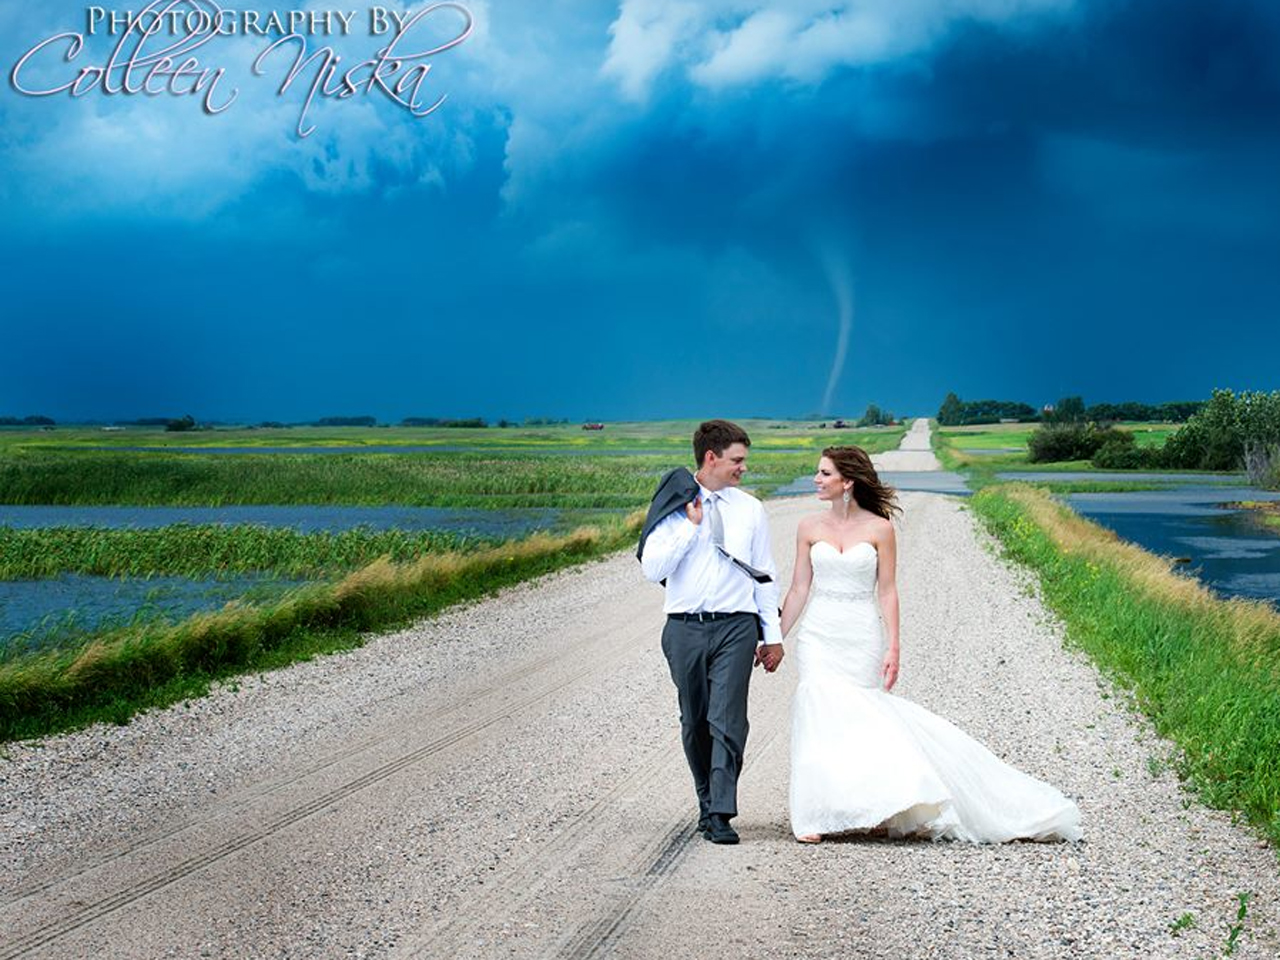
518 467
673 435
960 444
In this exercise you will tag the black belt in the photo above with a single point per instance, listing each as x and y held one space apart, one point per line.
705 616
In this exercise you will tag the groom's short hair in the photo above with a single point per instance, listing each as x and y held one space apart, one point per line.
717 436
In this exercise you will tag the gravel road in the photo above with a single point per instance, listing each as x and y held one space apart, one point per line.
505 780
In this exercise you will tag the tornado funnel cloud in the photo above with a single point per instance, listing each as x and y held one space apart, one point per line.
841 283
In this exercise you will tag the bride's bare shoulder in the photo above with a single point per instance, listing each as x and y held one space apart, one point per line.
883 528
808 524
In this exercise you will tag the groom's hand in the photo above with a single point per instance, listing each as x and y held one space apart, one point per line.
769 655
693 510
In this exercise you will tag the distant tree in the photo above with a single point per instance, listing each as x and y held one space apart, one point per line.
1231 431
951 413
1055 442
875 417
1067 410
183 423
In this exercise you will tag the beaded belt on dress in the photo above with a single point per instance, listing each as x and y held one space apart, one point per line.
833 594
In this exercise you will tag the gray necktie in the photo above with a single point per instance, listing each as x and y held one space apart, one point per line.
712 509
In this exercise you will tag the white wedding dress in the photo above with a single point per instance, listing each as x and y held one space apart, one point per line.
862 758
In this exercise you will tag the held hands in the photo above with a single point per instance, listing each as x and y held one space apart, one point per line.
889 671
769 655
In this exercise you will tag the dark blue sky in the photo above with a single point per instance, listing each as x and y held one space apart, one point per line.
650 209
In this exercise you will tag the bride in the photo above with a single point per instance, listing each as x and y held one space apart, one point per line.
862 759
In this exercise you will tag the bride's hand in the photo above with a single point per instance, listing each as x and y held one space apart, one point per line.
889 671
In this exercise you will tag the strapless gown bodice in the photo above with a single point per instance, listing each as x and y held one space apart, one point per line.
862 758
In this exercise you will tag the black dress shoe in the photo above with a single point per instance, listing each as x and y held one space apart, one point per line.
719 831
704 825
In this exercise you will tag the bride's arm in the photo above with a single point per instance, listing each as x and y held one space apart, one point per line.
887 588
801 577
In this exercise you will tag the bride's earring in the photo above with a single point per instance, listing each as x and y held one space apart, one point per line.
848 495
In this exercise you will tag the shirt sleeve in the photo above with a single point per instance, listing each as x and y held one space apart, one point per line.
766 594
666 545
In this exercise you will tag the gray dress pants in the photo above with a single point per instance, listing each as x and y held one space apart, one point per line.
711 665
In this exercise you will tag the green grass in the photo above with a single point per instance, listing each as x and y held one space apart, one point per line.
1206 670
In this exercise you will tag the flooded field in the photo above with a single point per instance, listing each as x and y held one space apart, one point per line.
62 611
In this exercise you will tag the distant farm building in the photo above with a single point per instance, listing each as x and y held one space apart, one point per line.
593 426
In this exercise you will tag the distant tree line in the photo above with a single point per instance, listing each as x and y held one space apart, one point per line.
479 422
955 412
347 422
1174 411
472 422
26 422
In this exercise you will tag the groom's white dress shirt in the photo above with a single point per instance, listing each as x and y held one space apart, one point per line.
702 580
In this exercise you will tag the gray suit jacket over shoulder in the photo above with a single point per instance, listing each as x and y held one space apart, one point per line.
676 488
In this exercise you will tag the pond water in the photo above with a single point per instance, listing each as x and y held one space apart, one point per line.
44 614
1224 547
505 523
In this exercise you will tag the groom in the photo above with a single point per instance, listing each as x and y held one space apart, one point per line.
708 542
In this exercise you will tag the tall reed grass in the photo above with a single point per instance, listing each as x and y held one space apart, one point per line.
197 550
1206 670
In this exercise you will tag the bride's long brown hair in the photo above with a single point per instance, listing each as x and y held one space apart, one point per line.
852 463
